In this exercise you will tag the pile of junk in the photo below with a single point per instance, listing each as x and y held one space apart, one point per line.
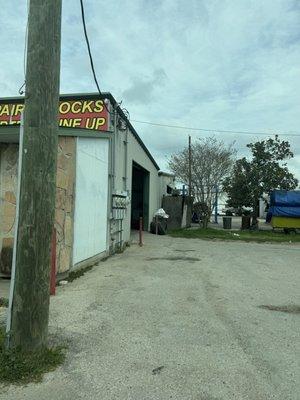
284 210
159 224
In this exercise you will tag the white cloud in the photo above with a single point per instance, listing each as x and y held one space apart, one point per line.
227 65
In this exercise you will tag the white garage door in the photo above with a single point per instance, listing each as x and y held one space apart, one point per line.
90 220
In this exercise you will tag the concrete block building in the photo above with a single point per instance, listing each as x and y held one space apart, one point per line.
106 179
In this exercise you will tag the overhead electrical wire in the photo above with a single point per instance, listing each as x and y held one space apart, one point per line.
90 55
126 113
214 130
160 124
22 88
26 39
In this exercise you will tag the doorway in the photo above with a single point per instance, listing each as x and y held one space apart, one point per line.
139 196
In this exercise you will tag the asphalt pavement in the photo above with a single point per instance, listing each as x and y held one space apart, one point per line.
179 319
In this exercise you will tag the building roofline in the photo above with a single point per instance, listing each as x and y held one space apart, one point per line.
162 173
135 134
93 95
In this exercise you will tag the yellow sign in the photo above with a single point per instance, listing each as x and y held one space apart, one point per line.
84 114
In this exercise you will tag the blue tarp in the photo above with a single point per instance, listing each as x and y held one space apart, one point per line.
284 203
285 198
278 211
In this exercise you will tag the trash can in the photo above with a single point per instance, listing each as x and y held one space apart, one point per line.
227 222
246 219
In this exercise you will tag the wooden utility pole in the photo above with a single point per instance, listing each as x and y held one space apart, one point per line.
30 304
190 166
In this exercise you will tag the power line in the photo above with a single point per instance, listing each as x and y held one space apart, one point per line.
160 124
25 46
22 88
212 130
90 55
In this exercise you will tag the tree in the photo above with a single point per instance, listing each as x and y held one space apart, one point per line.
237 185
212 161
267 170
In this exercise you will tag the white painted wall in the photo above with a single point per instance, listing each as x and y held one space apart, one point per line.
164 181
91 195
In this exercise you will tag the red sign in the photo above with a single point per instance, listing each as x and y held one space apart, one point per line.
84 114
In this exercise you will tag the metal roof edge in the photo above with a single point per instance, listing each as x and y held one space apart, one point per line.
163 173
135 134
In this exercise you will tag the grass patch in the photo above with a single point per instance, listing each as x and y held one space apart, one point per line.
21 367
242 236
78 273
3 302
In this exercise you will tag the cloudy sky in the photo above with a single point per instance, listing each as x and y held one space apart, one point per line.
215 64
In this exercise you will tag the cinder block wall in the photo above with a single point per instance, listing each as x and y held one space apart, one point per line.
173 205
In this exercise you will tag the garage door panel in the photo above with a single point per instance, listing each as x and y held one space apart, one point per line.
90 221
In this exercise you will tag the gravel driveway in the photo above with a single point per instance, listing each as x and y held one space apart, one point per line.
179 319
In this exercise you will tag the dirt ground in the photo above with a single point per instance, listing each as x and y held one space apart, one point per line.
179 319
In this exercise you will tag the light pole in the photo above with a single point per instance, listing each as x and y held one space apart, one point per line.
216 204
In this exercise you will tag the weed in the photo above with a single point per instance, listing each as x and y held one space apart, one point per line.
20 367
77 274
3 302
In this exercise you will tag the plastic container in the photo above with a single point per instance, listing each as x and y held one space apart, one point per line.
227 222
246 219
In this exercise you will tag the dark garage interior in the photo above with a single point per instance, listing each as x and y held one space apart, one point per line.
139 196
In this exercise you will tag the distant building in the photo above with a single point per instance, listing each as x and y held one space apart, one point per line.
166 183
